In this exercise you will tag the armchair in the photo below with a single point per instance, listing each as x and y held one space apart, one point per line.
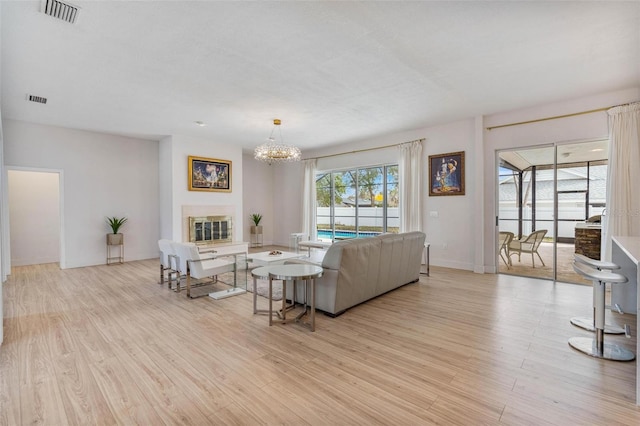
180 262
529 244
168 262
504 240
200 266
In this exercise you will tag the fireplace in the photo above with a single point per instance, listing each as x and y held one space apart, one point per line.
210 229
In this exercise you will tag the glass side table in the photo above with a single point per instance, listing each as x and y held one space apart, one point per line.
295 272
239 284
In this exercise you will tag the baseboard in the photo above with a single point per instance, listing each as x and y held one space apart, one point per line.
452 264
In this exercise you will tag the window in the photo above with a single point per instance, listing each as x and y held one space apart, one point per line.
357 203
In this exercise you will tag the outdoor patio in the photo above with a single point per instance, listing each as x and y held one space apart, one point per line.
565 261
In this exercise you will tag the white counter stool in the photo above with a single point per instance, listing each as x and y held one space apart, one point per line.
589 323
596 347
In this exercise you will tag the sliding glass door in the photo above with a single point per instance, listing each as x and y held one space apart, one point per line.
526 206
558 194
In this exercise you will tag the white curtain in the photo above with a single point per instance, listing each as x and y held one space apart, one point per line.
410 177
623 178
309 200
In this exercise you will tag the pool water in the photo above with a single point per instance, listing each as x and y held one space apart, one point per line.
324 234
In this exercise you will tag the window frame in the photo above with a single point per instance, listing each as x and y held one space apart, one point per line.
357 219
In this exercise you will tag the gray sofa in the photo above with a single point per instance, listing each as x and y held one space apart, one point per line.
360 269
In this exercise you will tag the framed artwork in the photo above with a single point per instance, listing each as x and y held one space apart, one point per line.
446 174
209 174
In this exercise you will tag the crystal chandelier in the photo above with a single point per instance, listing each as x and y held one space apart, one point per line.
274 152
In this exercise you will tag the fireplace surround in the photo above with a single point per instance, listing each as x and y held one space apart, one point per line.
210 229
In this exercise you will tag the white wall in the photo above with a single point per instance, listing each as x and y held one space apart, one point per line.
451 234
577 128
34 217
165 180
105 175
257 194
174 167
287 201
4 229
275 191
4 213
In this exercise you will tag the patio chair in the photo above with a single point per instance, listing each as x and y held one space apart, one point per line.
504 240
528 244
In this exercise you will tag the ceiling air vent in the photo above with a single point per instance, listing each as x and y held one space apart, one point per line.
38 99
60 10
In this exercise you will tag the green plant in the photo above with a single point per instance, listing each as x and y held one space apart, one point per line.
256 218
115 223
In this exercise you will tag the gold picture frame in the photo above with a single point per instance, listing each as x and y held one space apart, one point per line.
446 174
209 174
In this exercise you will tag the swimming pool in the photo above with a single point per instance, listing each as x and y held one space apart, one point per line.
325 234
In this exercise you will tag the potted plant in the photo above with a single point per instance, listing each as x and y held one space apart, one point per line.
115 223
256 218
256 230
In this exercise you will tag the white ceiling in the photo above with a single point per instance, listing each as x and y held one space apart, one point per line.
332 71
568 153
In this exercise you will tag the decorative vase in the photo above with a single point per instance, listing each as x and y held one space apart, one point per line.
256 229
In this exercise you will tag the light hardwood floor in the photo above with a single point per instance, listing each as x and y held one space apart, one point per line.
108 345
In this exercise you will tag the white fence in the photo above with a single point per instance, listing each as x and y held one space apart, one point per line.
367 216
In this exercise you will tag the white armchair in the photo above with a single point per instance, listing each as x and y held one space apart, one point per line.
168 262
180 262
201 266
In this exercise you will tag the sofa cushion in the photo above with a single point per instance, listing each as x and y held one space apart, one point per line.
333 257
358 266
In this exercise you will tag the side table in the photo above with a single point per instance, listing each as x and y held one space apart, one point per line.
295 272
426 245
295 238
262 272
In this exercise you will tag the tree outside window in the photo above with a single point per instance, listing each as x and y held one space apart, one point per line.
357 203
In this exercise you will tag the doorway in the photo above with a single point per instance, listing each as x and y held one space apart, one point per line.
560 189
35 216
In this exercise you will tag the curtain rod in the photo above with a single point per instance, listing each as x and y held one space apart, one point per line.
362 150
556 117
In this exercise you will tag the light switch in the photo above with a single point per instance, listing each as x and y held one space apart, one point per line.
433 213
